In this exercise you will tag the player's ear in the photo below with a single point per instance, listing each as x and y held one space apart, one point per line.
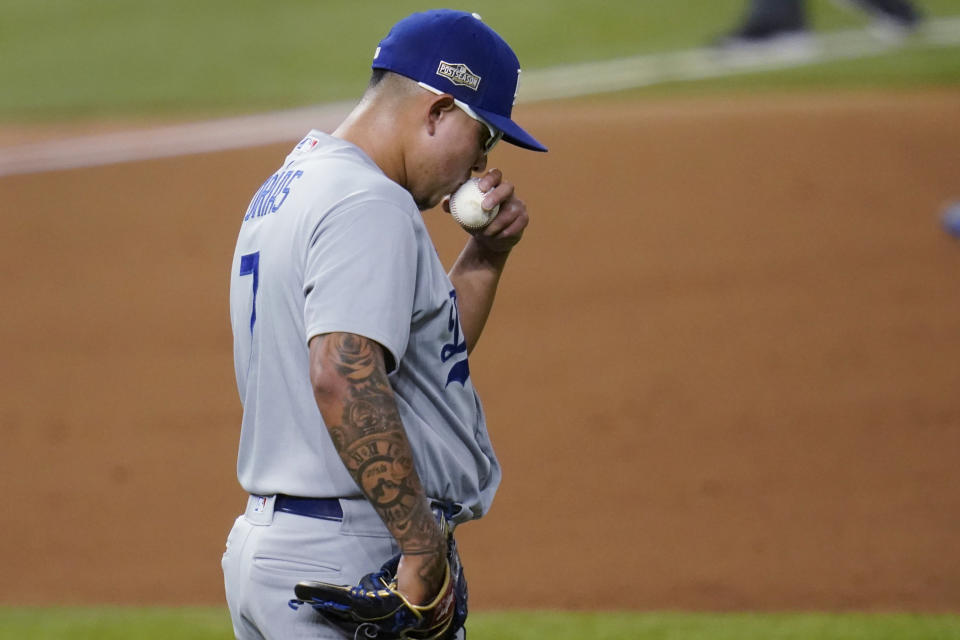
440 107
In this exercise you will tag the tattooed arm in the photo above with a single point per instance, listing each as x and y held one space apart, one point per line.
356 401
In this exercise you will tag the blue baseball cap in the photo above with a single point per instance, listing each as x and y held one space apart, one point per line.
454 52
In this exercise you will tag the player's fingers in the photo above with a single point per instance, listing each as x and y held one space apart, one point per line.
511 218
445 204
501 194
515 228
490 179
509 210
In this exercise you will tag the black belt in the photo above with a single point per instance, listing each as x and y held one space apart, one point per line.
322 508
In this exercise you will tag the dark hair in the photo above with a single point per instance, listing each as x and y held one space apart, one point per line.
376 77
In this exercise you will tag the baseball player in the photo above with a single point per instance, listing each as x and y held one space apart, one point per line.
363 440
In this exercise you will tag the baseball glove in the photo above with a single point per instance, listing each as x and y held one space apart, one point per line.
375 609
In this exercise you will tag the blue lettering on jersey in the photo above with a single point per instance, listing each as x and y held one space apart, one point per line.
460 371
272 194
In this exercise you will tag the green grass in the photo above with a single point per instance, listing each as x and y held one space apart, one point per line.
739 626
70 59
213 624
114 623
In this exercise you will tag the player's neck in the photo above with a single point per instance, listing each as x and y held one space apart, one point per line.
376 132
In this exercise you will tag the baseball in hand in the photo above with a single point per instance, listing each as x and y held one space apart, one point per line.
466 209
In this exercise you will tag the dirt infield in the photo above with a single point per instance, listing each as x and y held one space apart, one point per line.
722 374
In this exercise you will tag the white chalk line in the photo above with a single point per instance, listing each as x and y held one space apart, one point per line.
537 85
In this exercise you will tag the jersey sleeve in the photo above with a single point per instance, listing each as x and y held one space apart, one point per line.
360 275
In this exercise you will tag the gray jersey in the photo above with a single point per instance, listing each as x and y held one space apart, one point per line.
330 244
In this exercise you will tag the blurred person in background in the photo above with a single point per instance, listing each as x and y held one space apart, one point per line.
769 21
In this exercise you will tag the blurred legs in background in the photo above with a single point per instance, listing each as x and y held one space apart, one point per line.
767 19
900 12
774 20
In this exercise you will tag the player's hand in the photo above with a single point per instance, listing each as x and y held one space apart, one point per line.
419 577
507 228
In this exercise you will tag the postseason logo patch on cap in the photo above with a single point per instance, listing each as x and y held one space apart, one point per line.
459 74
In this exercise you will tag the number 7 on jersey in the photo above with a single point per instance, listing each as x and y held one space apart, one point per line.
250 265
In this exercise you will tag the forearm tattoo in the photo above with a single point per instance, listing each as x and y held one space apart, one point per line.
373 445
